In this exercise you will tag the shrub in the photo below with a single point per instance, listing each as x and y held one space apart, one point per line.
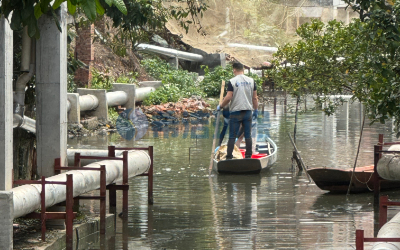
177 83
130 78
101 80
212 79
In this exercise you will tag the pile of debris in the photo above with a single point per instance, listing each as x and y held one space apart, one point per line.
193 110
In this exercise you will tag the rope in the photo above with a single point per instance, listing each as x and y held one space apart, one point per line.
358 151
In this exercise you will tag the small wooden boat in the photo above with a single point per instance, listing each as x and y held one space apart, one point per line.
337 180
267 156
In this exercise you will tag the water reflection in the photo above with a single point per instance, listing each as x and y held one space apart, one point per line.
277 209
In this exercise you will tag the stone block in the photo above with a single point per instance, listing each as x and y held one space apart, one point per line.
101 112
154 84
130 90
74 114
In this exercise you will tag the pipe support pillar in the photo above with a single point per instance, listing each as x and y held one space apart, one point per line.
101 112
6 220
6 101
130 90
51 90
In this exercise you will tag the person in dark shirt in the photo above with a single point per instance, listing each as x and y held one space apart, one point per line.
242 95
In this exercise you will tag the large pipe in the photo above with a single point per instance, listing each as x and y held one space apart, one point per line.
28 67
27 197
389 165
390 230
117 98
88 152
25 123
88 102
171 52
143 93
255 47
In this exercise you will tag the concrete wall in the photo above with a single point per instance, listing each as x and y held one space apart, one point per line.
51 90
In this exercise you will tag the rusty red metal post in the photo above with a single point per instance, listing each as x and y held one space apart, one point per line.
69 216
77 160
125 183
43 208
377 187
112 199
359 239
57 164
103 193
383 208
111 151
150 177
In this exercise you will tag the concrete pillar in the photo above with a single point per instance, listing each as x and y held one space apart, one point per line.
101 112
6 220
74 115
6 101
174 62
223 59
51 92
6 135
130 90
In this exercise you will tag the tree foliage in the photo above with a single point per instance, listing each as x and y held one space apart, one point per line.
27 12
361 59
131 15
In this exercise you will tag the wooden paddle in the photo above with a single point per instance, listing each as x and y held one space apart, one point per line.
221 97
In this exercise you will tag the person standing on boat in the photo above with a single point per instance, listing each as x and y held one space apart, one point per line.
242 95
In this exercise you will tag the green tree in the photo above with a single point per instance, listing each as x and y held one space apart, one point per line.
322 62
27 12
361 59
132 16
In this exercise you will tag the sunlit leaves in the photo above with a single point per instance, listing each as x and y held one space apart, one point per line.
27 12
121 6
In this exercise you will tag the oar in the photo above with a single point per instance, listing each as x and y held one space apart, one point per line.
221 96
298 154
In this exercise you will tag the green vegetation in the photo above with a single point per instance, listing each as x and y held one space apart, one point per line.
180 83
212 79
361 59
176 83
112 115
129 78
101 80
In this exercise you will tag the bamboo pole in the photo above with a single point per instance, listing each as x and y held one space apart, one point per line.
221 96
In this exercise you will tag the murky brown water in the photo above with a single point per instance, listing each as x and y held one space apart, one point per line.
277 209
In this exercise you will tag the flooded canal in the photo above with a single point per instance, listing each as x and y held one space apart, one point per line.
277 209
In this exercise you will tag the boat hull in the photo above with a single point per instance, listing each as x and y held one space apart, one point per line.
249 165
338 180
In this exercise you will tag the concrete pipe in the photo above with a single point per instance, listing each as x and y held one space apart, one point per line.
171 52
27 197
88 102
389 230
117 98
253 47
143 93
25 123
88 152
389 165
